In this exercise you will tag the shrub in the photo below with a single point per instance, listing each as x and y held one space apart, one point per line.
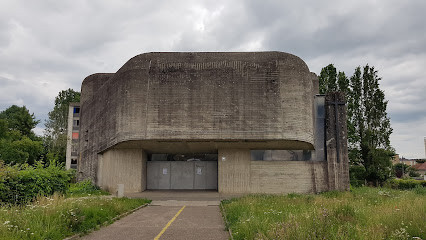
84 188
405 183
22 183
357 175
412 172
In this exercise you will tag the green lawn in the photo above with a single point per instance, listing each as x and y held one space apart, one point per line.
362 213
57 217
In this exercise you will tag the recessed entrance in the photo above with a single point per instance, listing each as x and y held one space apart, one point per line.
182 171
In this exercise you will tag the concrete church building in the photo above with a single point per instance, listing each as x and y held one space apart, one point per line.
249 122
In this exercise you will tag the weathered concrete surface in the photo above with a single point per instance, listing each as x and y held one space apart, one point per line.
225 103
234 171
180 197
197 223
202 222
287 177
336 136
177 195
239 174
122 166
214 97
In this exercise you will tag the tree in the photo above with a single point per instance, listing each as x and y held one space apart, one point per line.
20 119
368 124
18 142
330 80
23 150
55 137
399 169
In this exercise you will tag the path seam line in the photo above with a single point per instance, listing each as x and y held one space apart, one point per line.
169 223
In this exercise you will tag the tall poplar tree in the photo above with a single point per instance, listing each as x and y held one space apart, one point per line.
368 123
330 80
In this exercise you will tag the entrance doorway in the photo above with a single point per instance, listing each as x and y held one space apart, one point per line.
182 171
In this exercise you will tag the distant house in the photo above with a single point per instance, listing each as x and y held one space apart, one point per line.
409 162
395 159
421 168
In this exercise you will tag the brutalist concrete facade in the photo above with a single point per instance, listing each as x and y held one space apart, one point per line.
222 103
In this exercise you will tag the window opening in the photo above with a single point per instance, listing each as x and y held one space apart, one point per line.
281 155
190 157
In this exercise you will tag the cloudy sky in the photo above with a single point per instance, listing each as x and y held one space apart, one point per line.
49 46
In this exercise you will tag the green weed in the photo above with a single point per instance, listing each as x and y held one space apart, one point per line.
84 189
362 213
57 217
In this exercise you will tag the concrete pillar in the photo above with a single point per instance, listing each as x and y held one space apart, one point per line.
120 190
336 138
122 166
69 138
234 171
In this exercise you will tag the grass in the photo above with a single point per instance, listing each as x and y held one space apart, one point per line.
84 189
362 213
82 209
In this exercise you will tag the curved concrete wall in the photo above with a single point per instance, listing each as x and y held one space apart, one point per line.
248 96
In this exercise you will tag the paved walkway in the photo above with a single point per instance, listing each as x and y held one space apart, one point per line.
176 215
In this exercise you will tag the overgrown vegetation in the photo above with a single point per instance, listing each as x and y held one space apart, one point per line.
84 189
19 184
362 213
37 200
57 217
405 183
77 209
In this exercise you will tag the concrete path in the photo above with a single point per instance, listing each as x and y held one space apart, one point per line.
167 218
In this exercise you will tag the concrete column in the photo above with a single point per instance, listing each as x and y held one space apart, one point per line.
69 137
122 166
336 137
234 171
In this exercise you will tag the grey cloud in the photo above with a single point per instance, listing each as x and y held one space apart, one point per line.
48 46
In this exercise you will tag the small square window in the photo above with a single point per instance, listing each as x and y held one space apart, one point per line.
76 123
76 109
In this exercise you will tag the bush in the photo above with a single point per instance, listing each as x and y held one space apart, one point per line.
405 183
84 188
20 184
412 172
357 175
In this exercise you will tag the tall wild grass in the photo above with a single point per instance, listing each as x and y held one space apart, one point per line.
362 213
